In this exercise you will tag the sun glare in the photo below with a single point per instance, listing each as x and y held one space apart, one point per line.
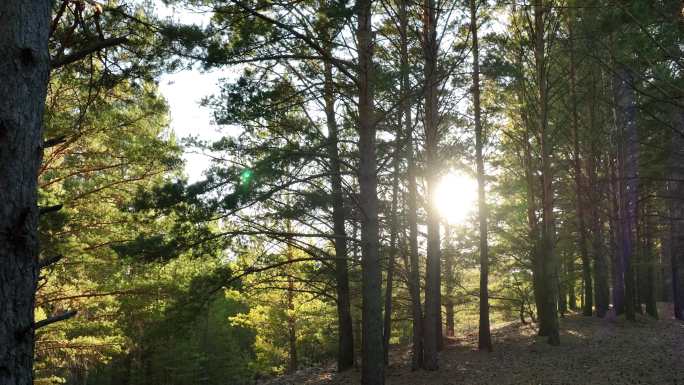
456 197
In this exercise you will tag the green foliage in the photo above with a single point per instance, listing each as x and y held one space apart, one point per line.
209 283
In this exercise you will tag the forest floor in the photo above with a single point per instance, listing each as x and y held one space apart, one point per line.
592 351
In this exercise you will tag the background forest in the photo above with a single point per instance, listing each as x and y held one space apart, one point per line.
389 173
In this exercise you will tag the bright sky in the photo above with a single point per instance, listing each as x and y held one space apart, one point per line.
184 90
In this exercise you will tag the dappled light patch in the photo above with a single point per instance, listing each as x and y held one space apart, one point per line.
592 351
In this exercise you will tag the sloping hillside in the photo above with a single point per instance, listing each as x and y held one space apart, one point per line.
593 351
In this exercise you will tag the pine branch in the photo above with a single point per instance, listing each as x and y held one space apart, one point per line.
78 55
54 141
49 209
49 261
54 319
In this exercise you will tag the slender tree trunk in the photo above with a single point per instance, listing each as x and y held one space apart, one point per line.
616 241
450 282
387 328
562 287
291 329
25 67
676 189
587 308
530 169
638 261
449 312
549 310
676 203
484 341
394 247
532 223
649 281
625 104
413 267
571 282
433 323
291 321
602 292
598 250
373 357
533 227
666 253
345 349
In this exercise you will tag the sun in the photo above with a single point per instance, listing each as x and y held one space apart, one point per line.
456 197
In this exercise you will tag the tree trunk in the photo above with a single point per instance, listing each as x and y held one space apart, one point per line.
413 267
532 222
598 250
638 262
484 336
373 365
570 283
616 241
595 192
676 189
676 192
625 104
25 66
587 308
666 254
450 283
548 315
530 186
433 323
649 276
562 287
450 322
291 321
345 349
394 247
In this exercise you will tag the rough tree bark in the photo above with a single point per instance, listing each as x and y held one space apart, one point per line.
24 59
372 357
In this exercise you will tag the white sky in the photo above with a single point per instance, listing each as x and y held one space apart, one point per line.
183 91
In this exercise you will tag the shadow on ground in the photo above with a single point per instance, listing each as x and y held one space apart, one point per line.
592 351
